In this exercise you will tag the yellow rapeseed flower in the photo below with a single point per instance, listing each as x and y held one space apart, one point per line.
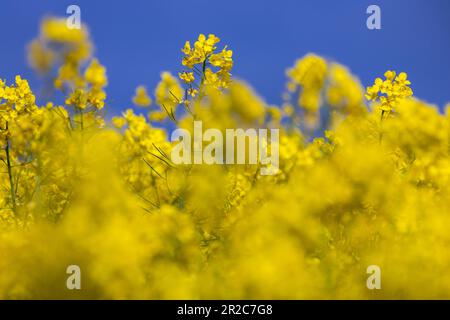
141 97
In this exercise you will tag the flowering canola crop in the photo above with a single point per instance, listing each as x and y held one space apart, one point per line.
360 183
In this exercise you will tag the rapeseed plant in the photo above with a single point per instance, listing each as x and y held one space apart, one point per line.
107 197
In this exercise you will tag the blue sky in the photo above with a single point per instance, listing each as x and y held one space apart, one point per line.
136 40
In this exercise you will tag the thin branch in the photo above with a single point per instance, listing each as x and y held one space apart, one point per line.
153 168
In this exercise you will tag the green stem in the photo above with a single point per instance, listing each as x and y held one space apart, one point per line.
381 128
11 180
81 120
203 72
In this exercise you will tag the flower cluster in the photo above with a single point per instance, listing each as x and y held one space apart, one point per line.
57 43
60 54
309 74
141 97
389 92
344 90
168 95
327 93
18 99
91 93
200 58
